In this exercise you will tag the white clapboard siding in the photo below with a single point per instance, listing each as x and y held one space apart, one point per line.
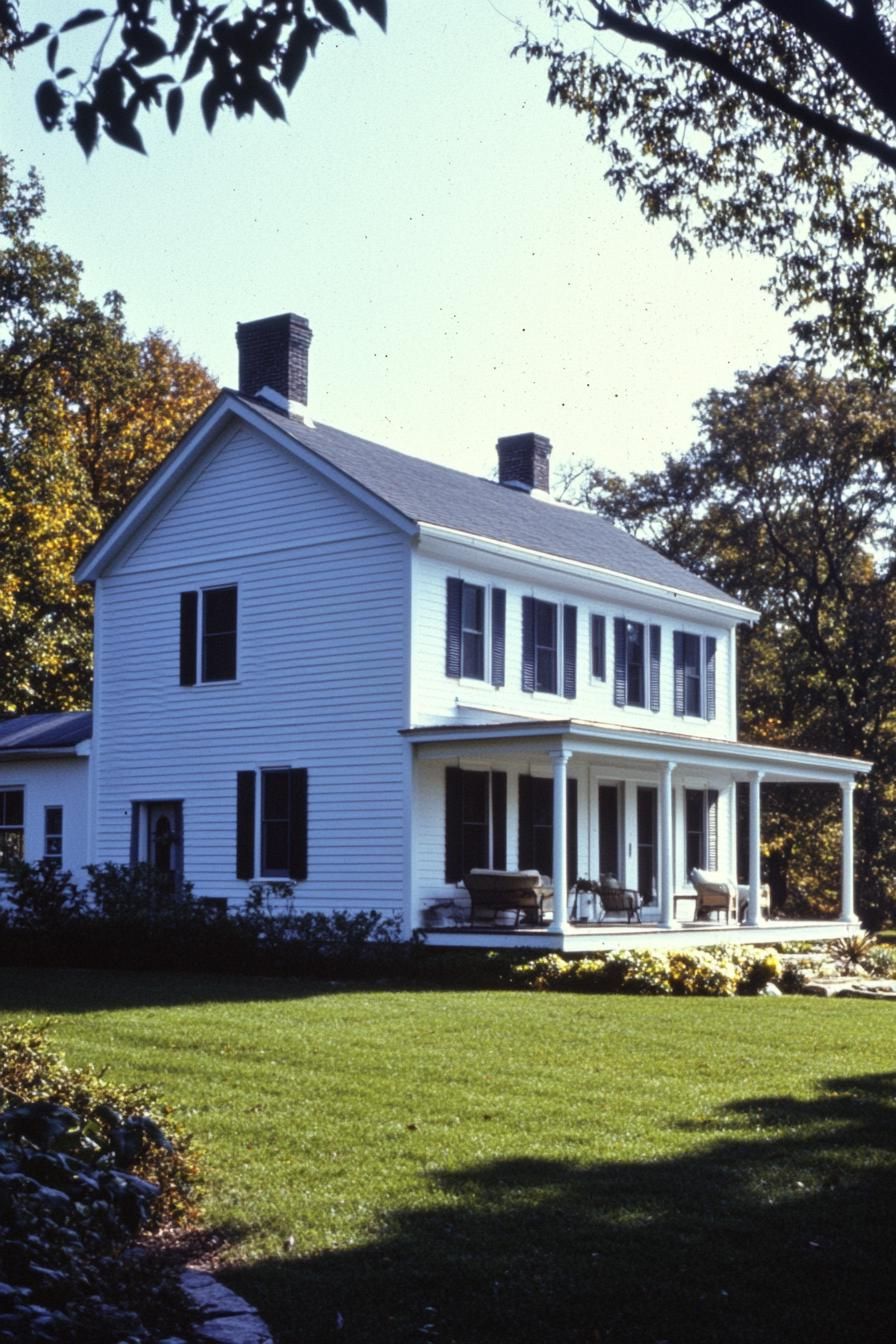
59 781
321 676
435 695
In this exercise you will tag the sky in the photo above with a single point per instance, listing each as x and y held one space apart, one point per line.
466 271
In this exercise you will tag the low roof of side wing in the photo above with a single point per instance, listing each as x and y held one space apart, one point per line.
414 494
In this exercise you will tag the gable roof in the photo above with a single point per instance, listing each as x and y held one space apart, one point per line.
45 732
414 493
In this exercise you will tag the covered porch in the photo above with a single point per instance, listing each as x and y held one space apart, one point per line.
577 799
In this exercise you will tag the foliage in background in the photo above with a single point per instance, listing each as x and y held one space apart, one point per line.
84 1167
786 501
86 414
141 53
766 126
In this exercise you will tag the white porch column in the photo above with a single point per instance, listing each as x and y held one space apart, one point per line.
754 905
560 878
667 876
847 895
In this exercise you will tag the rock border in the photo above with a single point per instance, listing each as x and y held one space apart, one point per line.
224 1318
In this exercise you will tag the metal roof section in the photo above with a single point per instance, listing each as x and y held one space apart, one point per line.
54 734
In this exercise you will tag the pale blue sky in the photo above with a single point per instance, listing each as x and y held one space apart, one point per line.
465 270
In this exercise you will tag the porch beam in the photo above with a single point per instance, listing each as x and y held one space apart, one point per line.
667 884
560 878
754 904
847 893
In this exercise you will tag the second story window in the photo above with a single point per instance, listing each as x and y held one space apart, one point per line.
694 658
474 631
208 635
636 664
545 626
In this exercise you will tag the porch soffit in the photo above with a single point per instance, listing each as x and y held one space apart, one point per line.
602 741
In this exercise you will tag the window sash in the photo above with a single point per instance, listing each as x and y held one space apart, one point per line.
472 631
275 823
219 620
634 663
12 825
53 835
545 636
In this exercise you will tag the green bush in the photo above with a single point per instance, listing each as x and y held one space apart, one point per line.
42 897
136 892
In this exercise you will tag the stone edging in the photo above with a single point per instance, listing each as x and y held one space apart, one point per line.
224 1318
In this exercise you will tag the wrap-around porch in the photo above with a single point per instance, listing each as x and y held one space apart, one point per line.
646 807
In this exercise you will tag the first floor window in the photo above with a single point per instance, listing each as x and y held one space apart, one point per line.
272 823
53 835
701 829
536 826
12 825
475 821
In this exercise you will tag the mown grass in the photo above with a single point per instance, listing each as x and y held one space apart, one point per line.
483 1166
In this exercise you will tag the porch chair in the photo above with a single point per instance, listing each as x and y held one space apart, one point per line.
497 890
614 898
715 892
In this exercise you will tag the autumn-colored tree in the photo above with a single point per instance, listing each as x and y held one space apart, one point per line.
788 502
86 413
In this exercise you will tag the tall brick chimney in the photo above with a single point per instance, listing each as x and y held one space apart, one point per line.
524 462
274 361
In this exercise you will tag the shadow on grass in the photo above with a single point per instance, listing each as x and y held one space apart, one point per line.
784 1232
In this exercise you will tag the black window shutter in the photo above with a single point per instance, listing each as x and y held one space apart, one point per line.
569 652
245 824
620 678
499 609
655 634
599 647
709 656
499 819
135 833
455 589
189 629
526 854
678 670
712 829
572 831
298 824
528 643
454 803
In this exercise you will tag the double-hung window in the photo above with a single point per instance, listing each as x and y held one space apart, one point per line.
12 825
53 835
549 647
694 658
701 807
475 821
474 631
208 635
636 658
272 824
598 647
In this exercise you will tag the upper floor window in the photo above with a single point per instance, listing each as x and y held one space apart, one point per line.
636 664
208 635
53 835
599 647
544 660
12 825
694 659
474 632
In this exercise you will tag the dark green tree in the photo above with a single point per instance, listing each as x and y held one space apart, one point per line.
86 413
787 501
146 51
759 125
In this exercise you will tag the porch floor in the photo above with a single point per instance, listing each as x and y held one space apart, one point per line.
604 937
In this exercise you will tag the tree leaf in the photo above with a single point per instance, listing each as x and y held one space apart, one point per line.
79 20
86 125
375 8
268 100
50 103
52 52
122 130
149 46
174 106
333 13
294 59
37 34
209 102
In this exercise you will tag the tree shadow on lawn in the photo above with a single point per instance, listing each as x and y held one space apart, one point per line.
782 1232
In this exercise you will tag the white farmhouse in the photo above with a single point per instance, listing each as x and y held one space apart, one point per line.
322 660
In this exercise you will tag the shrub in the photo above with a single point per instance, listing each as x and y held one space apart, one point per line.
75 1188
42 897
136 892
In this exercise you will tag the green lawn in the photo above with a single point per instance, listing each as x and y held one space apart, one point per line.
477 1166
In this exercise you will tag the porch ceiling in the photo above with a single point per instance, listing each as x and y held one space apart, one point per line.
612 743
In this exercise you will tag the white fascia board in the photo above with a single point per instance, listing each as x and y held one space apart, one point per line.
777 764
728 609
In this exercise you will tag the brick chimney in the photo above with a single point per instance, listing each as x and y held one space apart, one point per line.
274 361
524 462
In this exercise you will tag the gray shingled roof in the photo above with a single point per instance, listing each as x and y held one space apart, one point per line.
427 493
32 732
